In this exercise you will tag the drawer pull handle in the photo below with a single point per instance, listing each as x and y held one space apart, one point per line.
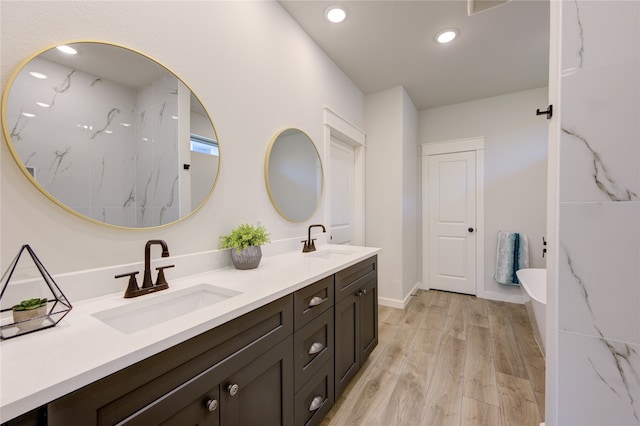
232 389
316 300
212 404
315 348
316 403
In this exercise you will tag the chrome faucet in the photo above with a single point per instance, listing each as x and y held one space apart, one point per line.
309 244
147 283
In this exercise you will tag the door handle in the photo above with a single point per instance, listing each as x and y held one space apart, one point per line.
470 229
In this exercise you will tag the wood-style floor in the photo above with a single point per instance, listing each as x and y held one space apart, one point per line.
448 359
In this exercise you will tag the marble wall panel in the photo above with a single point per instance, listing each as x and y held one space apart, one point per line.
599 382
599 32
599 270
600 133
599 215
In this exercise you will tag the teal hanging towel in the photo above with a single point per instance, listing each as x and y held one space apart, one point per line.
512 255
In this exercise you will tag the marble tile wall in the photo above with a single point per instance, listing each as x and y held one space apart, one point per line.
67 143
599 215
157 118
80 143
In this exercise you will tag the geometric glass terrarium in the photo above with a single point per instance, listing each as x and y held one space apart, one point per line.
30 299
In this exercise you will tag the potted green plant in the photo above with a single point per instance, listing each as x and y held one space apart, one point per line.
245 242
25 312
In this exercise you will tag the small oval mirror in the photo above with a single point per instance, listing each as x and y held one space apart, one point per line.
293 174
110 135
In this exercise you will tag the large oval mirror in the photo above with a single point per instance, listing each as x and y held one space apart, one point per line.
111 135
293 174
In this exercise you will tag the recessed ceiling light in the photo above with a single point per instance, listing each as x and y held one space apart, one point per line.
67 49
446 36
37 75
335 14
28 114
43 105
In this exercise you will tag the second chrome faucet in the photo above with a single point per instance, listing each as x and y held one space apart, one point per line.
148 286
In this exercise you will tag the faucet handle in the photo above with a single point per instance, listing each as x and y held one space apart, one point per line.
161 280
132 286
308 246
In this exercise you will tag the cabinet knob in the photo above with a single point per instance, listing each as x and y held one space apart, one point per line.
212 404
233 389
315 348
316 403
316 300
362 292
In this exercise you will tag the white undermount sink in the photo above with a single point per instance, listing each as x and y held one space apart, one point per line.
331 253
144 313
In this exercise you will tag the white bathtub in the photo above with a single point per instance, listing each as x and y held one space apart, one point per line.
534 281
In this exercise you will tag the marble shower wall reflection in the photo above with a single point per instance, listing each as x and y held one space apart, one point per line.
157 153
85 157
599 224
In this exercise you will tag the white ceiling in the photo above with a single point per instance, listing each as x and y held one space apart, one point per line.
389 43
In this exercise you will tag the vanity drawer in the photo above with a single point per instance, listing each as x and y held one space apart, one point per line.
346 279
312 346
315 399
311 301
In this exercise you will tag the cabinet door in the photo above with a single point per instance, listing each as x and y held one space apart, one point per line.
347 336
203 411
261 392
368 327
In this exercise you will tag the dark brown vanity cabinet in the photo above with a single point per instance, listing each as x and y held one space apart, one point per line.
258 392
356 319
238 373
282 364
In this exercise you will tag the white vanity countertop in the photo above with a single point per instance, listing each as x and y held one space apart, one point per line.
42 366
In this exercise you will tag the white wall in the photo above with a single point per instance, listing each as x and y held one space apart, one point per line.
255 71
410 197
596 365
515 168
392 192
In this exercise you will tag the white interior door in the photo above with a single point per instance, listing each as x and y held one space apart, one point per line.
342 192
452 222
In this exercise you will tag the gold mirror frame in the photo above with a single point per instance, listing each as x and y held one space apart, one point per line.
195 101
294 175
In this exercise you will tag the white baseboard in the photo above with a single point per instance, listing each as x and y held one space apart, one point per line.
399 304
392 303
